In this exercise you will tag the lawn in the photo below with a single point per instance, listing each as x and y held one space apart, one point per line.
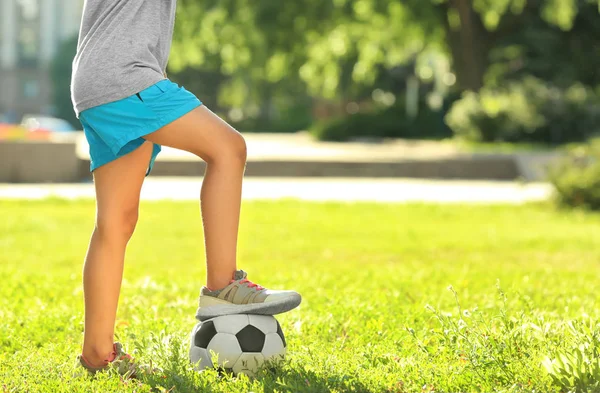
397 298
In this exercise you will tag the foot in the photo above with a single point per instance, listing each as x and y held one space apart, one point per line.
118 360
244 297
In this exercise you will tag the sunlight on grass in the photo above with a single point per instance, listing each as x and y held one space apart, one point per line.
397 298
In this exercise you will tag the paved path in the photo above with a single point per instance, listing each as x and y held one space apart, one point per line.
314 189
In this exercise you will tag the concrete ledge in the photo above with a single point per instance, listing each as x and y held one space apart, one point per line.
467 168
456 168
66 160
39 161
535 166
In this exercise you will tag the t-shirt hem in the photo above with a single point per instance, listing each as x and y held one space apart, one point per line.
134 88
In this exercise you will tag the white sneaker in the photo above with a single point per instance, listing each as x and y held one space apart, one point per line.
242 296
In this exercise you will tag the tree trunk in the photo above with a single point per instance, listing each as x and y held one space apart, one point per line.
469 44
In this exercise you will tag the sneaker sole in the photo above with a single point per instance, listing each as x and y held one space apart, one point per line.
270 308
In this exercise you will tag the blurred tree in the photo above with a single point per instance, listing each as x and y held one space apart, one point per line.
545 51
330 45
61 69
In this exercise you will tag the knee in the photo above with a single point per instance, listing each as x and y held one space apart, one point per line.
241 150
118 225
233 151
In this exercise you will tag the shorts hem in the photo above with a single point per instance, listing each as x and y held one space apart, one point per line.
95 164
145 130
158 124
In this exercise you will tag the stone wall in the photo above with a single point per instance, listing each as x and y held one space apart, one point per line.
37 162
54 162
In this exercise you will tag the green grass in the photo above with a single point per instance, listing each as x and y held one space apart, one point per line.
378 315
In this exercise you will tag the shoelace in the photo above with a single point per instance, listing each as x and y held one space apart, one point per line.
250 284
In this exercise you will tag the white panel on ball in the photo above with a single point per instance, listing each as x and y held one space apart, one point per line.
266 323
273 347
230 323
200 358
226 347
248 363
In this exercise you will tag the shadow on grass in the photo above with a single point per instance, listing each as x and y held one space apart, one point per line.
280 379
274 379
178 380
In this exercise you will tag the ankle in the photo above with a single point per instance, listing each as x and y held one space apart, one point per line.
215 285
97 357
215 282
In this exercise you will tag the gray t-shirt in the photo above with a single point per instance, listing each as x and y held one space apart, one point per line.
123 48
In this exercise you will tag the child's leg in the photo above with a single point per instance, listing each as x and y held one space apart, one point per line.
204 134
118 185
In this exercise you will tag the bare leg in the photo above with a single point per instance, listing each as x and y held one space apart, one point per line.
118 185
204 134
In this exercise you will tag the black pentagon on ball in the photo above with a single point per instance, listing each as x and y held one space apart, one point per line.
206 332
280 333
251 339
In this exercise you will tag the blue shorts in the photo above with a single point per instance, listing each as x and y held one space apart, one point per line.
117 128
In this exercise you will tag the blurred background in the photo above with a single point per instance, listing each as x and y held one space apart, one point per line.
470 89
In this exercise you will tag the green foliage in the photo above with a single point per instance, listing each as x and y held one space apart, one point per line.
532 46
493 343
61 78
501 345
526 111
328 45
392 122
287 117
366 271
576 177
322 45
376 125
577 368
263 52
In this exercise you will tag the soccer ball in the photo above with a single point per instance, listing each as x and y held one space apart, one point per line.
242 343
